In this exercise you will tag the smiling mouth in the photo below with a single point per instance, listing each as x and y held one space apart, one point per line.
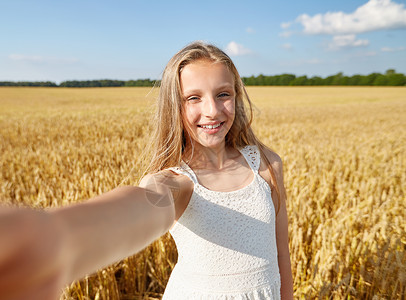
211 126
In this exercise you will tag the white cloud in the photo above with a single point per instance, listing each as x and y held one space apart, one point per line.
346 41
41 59
286 25
372 16
249 30
235 49
285 34
287 46
387 49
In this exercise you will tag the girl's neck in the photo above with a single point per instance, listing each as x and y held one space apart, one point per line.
215 158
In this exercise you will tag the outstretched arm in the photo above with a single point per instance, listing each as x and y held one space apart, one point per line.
113 226
41 251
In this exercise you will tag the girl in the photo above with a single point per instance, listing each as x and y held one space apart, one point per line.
231 226
211 182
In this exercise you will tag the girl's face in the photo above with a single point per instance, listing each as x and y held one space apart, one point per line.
208 102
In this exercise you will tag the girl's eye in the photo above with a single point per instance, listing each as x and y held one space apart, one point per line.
193 98
224 95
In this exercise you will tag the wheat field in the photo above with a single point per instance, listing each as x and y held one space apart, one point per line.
344 154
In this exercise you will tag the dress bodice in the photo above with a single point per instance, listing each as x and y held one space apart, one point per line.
222 234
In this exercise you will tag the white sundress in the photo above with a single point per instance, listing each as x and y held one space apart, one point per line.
226 242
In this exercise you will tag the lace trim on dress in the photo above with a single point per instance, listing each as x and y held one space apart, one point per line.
252 155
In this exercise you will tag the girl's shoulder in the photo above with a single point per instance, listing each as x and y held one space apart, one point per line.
180 186
274 160
275 167
169 178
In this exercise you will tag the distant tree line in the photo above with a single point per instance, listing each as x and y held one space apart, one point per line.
28 83
83 83
390 78
107 83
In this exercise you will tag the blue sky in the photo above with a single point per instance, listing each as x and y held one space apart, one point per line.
87 39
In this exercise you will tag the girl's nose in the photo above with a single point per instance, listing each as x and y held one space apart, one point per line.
210 107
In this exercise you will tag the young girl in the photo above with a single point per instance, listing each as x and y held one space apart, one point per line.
211 182
231 226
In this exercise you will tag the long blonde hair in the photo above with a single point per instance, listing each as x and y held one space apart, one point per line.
168 139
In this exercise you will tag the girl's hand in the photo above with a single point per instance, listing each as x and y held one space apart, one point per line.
33 260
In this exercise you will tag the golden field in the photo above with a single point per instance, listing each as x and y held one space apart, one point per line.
344 153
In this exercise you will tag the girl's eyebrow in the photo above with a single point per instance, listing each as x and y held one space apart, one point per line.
192 91
225 85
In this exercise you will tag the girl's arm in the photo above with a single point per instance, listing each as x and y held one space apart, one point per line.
113 226
41 251
282 239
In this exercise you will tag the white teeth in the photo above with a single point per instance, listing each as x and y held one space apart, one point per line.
211 126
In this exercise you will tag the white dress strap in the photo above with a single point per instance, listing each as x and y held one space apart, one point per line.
253 156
